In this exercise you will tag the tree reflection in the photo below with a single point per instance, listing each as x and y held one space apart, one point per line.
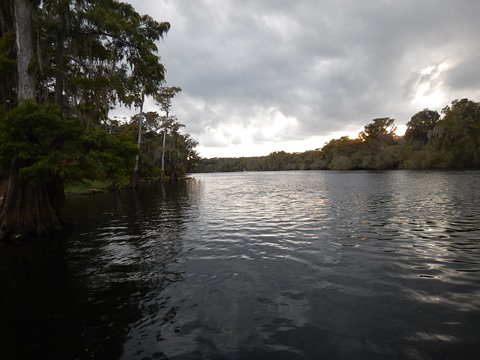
76 296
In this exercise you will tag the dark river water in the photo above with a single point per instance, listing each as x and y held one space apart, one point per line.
277 265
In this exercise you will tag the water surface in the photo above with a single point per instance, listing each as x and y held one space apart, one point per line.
278 265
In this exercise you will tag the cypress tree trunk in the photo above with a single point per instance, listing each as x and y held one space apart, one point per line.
28 207
134 179
162 174
25 49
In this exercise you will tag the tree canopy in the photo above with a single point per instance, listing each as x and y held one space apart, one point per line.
84 57
420 125
64 65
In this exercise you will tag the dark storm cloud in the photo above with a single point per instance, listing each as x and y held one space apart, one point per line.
317 67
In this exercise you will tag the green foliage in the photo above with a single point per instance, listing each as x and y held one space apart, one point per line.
165 96
378 135
91 55
95 54
344 153
380 130
31 134
105 156
461 123
46 145
420 125
180 154
309 160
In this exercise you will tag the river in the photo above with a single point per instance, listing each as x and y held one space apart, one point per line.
255 265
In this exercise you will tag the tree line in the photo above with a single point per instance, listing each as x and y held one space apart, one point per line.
64 65
450 140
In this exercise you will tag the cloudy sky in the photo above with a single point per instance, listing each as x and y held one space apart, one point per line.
269 75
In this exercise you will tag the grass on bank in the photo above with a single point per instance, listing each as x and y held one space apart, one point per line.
87 187
97 186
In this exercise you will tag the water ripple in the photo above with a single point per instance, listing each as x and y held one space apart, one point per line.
378 264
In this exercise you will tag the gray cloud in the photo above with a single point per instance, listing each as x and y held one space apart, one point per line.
465 75
276 72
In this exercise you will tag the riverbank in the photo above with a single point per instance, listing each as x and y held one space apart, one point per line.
87 188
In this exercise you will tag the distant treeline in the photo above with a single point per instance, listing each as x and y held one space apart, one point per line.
431 141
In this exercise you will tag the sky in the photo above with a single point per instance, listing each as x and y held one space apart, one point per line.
259 76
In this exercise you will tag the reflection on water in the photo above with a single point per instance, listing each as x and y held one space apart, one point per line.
287 265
